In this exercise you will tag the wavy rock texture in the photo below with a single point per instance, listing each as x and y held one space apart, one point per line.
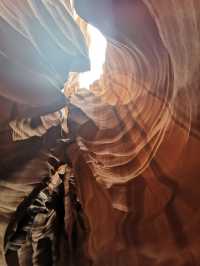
137 160
138 170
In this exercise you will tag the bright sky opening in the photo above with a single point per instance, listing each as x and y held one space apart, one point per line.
97 56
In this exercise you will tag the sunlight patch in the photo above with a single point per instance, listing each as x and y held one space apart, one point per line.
97 53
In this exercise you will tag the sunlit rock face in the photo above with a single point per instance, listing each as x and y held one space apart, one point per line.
136 159
143 155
